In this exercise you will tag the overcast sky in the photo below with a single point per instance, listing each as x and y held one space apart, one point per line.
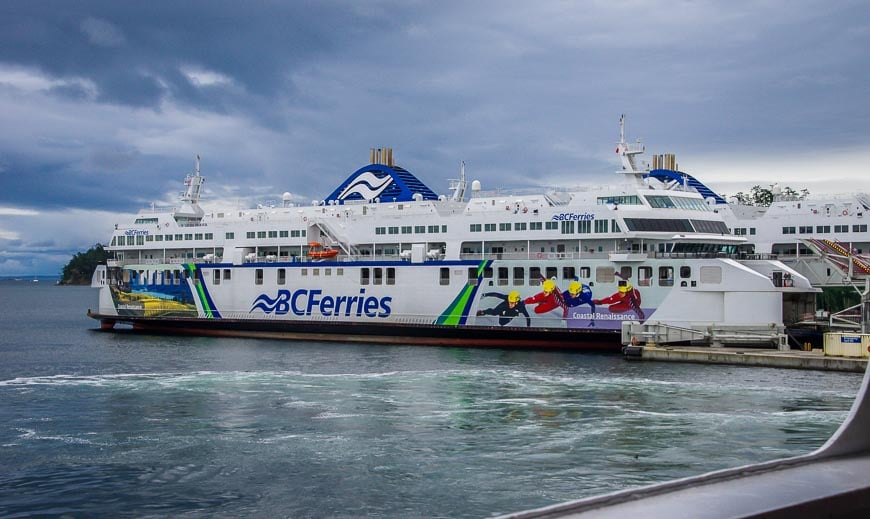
105 104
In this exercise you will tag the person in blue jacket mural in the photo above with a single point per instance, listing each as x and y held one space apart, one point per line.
510 307
576 295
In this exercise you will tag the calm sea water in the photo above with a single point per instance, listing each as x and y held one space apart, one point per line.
118 424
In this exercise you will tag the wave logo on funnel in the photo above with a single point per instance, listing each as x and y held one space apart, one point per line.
366 185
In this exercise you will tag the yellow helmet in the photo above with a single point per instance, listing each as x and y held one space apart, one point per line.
549 285
574 288
626 288
514 297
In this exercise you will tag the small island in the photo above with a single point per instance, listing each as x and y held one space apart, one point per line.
81 267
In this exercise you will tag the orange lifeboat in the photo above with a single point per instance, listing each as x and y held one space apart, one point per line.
318 251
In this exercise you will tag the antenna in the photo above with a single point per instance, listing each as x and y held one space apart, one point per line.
458 186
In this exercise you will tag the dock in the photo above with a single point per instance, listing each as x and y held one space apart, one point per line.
757 357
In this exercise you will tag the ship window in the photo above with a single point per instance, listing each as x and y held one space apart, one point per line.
273 234
644 274
536 226
282 276
552 272
228 274
433 229
179 237
534 276
315 272
604 274
339 271
666 276
407 229
685 271
258 277
614 225
520 226
710 226
209 236
584 227
519 276
788 230
601 226
551 226
364 276
393 230
188 236
303 272
444 277
391 275
198 236
859 228
712 275
186 273
327 272
250 235
659 201
487 272
113 240
419 229
502 277
568 273
217 276
378 278
159 237
489 227
585 272
568 227
176 277
472 276
625 272
168 237
282 234
151 237
261 234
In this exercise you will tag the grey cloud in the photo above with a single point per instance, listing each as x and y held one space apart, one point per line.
102 33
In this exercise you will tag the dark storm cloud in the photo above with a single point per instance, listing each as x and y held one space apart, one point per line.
133 51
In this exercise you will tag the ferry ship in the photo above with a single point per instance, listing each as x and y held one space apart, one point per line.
384 258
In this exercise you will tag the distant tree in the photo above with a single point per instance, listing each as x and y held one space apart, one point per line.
81 267
763 197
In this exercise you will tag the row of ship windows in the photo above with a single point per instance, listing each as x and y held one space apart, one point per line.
656 201
808 229
141 239
504 276
606 226
500 276
412 229
583 226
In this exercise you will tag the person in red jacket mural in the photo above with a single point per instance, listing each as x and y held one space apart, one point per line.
627 298
549 299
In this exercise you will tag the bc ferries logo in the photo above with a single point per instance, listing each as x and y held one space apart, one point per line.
367 185
312 302
573 216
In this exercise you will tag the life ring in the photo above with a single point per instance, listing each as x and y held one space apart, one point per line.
304 218
540 255
845 212
815 211
507 208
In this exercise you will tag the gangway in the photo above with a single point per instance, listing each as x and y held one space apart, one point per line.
841 256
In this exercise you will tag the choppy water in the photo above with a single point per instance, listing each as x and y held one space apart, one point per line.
116 424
